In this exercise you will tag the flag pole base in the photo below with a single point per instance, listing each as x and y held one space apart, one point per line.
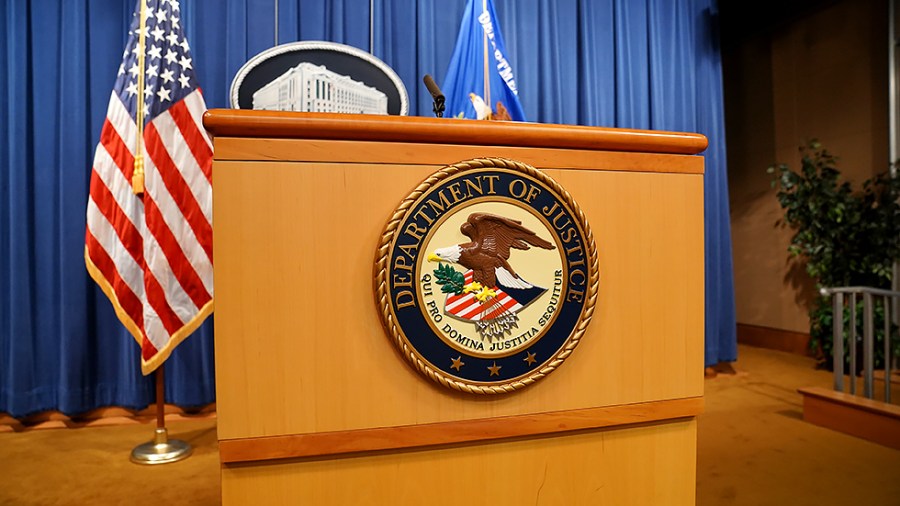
161 450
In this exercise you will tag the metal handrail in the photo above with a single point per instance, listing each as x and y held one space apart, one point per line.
859 289
868 337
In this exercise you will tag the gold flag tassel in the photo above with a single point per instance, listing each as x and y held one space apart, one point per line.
137 178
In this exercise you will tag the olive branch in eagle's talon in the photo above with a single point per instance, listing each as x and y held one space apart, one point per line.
451 280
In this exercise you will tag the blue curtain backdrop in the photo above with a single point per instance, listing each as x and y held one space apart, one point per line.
625 63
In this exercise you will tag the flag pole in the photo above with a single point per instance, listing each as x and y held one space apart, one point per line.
161 450
487 77
137 178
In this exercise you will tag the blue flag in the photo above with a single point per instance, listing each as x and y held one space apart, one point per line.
480 50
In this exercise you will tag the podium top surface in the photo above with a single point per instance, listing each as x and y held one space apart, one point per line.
361 127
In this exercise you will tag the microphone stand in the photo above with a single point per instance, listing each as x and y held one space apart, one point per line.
438 106
435 94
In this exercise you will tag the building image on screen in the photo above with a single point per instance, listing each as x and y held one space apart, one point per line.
313 88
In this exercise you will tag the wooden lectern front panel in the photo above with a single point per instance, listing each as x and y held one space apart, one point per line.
643 466
300 348
317 405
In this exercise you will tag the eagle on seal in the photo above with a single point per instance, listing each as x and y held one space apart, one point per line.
490 278
487 255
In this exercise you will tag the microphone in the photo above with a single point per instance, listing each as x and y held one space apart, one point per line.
435 94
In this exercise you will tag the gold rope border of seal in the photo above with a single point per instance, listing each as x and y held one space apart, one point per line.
381 277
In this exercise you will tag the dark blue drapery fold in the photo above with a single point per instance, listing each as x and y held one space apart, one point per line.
624 63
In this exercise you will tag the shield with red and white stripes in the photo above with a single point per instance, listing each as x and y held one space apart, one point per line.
466 307
151 253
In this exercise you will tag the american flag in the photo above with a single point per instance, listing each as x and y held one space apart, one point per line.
152 253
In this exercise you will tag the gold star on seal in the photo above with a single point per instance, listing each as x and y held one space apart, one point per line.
495 369
530 358
457 363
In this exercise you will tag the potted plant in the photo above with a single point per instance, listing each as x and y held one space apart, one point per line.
846 237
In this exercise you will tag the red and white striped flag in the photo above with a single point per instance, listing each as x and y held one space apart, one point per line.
151 252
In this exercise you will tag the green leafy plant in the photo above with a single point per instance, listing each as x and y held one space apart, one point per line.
451 280
845 237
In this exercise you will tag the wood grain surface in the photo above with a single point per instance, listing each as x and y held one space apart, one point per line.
361 127
314 150
435 434
299 344
639 466
304 368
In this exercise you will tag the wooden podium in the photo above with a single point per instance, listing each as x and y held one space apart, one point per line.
315 404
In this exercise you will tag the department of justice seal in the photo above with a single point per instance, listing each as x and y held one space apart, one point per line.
486 276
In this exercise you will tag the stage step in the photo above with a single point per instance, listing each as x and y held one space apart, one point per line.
865 418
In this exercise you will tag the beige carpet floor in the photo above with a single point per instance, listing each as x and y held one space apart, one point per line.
90 466
754 449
